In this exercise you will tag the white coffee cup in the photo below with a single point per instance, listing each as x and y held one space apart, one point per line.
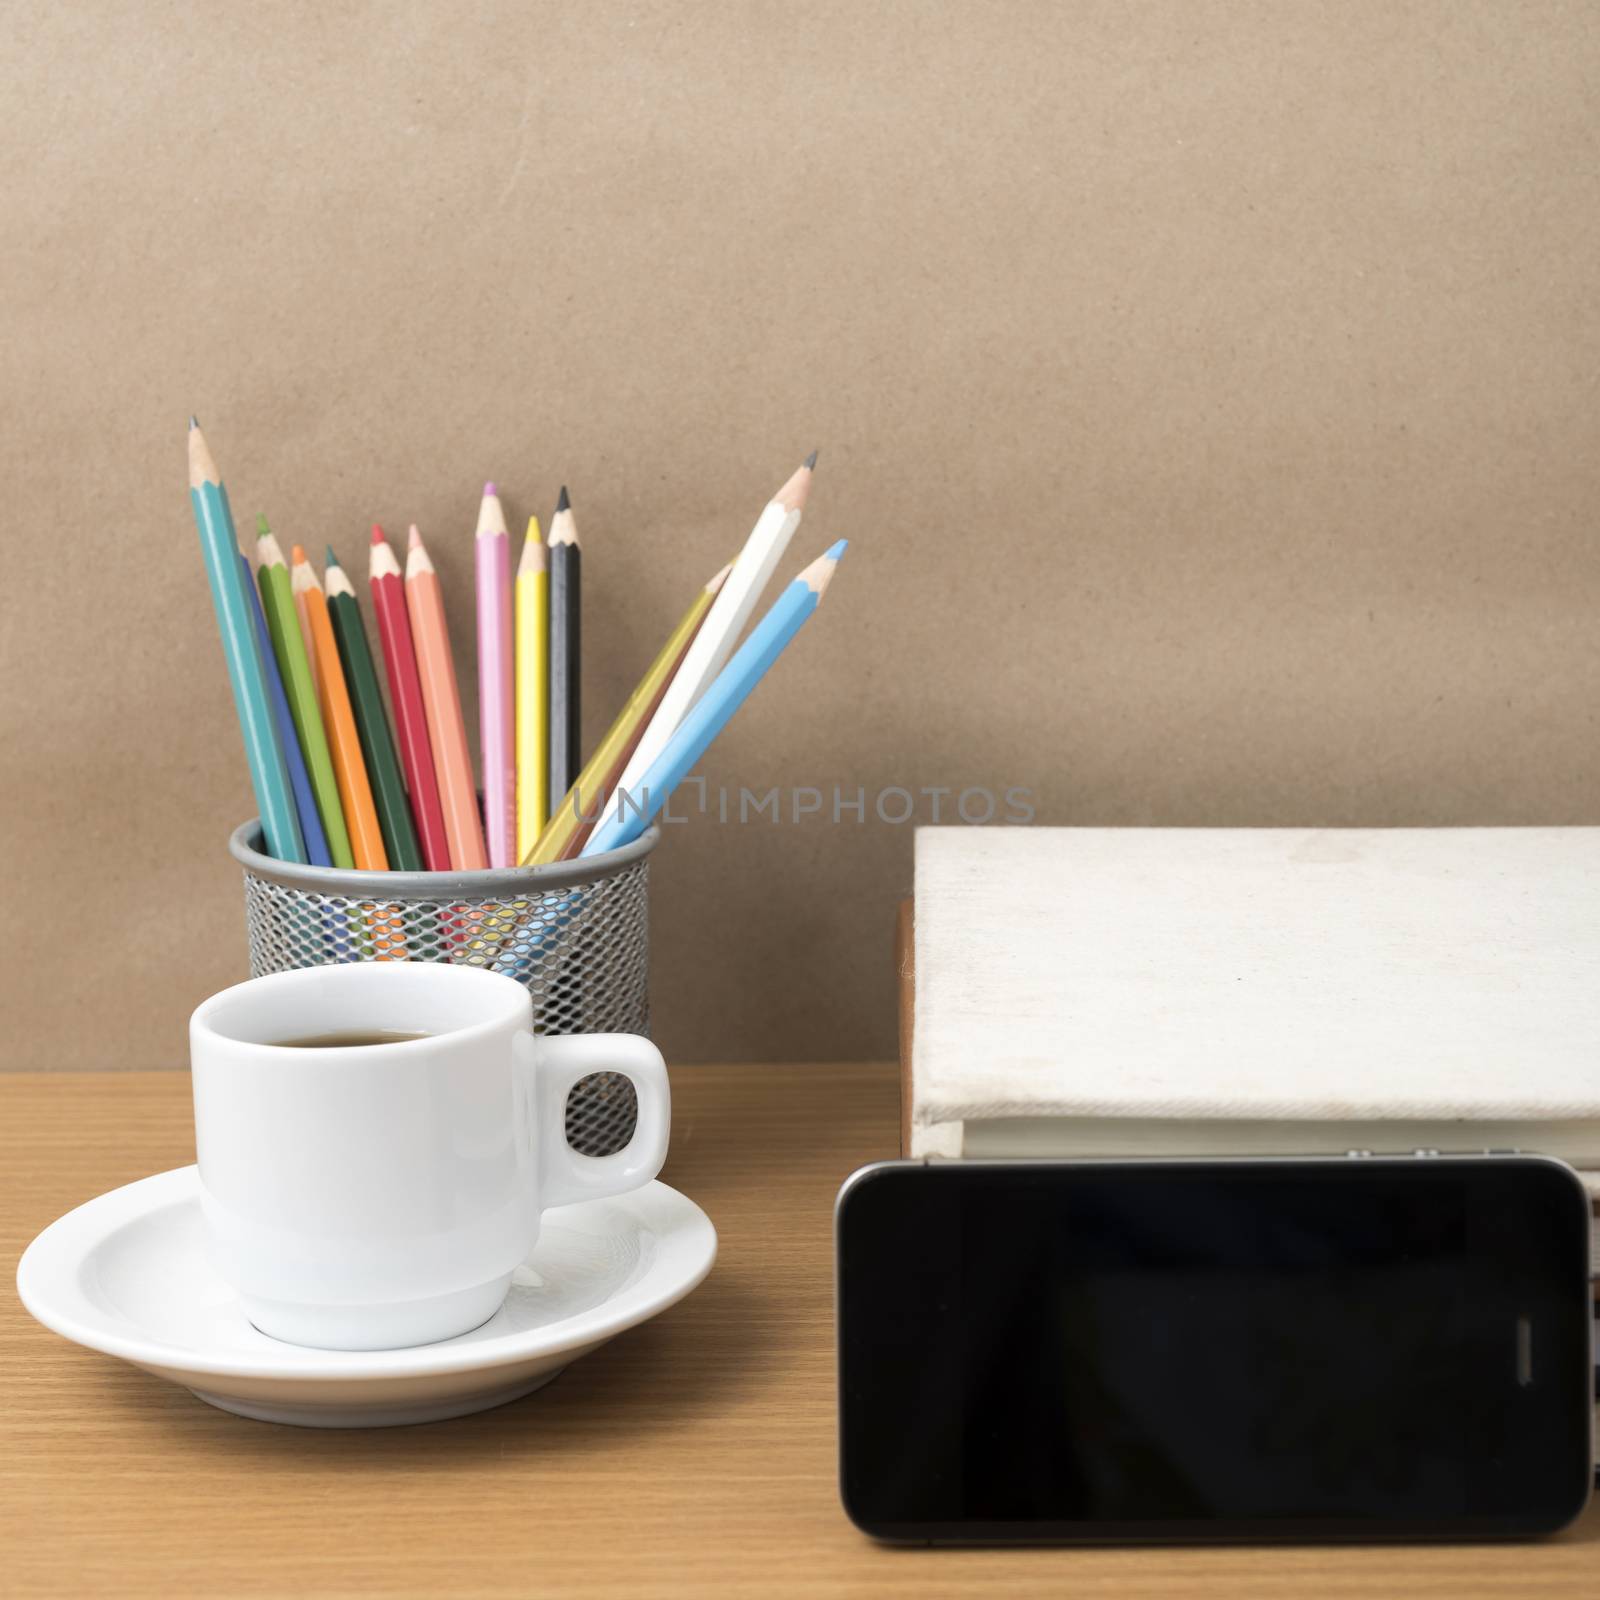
372 1196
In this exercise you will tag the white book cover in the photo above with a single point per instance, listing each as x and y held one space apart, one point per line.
1150 991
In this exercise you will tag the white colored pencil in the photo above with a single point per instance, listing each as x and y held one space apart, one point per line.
730 611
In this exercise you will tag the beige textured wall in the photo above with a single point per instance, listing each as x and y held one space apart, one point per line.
1208 389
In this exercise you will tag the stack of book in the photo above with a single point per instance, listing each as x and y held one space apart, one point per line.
1105 992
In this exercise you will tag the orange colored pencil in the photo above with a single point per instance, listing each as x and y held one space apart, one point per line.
441 699
303 613
344 744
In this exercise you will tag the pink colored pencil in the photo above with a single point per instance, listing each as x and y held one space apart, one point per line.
447 732
496 706
405 695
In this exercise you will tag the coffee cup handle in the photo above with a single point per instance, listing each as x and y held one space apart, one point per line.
555 1063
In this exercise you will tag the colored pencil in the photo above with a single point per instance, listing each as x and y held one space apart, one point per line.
496 699
447 732
341 932
733 608
377 745
628 819
277 600
333 699
533 691
305 803
566 671
301 612
405 696
263 746
585 800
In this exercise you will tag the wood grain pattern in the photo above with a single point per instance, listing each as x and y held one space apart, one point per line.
691 1457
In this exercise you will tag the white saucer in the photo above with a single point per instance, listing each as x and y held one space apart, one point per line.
128 1274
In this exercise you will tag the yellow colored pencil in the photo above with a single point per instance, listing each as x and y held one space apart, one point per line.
532 612
587 796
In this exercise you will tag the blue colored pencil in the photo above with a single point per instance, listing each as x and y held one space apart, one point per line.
219 544
305 802
633 814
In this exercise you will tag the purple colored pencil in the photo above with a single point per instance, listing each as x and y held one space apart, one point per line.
496 706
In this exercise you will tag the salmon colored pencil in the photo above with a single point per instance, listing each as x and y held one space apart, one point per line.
355 792
447 732
405 696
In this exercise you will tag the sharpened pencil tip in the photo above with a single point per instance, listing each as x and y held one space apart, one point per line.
792 496
262 527
562 501
491 515
297 555
194 421
377 534
532 558
330 559
413 538
811 461
820 573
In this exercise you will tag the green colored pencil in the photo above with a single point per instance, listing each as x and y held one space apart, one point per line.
372 726
288 644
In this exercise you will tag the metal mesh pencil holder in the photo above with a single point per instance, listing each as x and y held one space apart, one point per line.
576 934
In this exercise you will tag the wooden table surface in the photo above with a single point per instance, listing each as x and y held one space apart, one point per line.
691 1457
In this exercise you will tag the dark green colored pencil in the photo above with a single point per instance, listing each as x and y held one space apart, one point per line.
372 726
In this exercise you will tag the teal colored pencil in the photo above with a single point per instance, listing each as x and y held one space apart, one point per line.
716 706
219 544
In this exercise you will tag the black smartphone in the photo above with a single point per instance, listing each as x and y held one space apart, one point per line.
1356 1348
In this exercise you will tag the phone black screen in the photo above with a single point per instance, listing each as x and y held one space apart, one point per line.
1356 1348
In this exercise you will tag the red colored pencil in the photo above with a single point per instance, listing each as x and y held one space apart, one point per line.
405 695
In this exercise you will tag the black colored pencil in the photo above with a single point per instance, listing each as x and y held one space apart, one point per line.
566 675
